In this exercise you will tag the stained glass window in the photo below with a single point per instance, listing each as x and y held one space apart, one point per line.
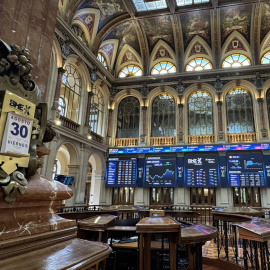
200 109
71 93
102 59
163 68
128 118
141 5
236 60
198 64
239 111
266 58
96 112
130 71
80 33
163 116
190 2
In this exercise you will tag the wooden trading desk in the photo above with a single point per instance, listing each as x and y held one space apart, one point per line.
72 254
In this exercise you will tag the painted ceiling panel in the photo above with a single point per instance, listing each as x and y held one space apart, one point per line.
235 18
196 23
158 28
109 9
265 20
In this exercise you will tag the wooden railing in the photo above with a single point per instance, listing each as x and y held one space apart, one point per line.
126 142
96 137
162 140
242 137
65 122
193 139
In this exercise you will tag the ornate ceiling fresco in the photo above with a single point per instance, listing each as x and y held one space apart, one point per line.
133 29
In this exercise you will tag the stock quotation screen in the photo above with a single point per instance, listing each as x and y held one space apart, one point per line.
201 170
246 170
160 172
121 172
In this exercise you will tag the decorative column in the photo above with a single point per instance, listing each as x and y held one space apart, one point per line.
143 136
181 123
88 110
109 131
220 124
97 188
73 170
61 71
262 121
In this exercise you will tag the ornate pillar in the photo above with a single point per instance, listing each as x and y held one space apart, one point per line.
88 110
181 123
61 71
97 188
143 136
109 131
220 123
73 170
262 121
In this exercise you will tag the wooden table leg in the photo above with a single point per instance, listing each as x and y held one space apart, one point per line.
147 251
191 258
172 253
141 251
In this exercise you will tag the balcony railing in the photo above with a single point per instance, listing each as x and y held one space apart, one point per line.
126 142
96 137
162 140
242 137
193 139
65 122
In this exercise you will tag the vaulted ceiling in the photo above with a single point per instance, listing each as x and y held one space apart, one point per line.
176 33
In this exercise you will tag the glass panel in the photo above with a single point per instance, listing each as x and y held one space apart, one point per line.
102 59
115 194
205 193
163 116
236 60
131 195
198 64
153 195
163 68
128 71
171 195
239 111
249 197
243 195
193 195
237 196
200 113
128 118
140 5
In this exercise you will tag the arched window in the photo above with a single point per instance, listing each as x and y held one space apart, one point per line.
80 33
239 111
96 112
71 93
102 59
198 64
163 116
266 58
128 118
200 108
130 71
236 60
163 68
62 106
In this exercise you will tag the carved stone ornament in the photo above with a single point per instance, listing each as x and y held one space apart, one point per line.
19 96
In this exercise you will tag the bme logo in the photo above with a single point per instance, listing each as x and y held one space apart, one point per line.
196 161
18 106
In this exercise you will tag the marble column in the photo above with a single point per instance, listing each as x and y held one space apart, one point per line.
262 120
181 123
61 71
220 123
31 24
143 136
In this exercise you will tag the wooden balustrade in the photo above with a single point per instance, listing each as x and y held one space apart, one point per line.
242 137
65 122
96 137
126 142
162 140
193 139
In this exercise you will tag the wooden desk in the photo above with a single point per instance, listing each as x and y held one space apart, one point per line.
72 254
247 211
146 227
97 223
257 232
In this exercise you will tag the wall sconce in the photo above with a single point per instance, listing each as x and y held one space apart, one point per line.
58 122
258 83
89 137
218 86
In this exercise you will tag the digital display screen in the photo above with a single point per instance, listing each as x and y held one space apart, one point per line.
188 148
201 170
160 172
64 179
121 172
246 170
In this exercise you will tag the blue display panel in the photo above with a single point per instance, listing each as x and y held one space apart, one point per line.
187 148
201 170
121 172
160 172
246 170
64 179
